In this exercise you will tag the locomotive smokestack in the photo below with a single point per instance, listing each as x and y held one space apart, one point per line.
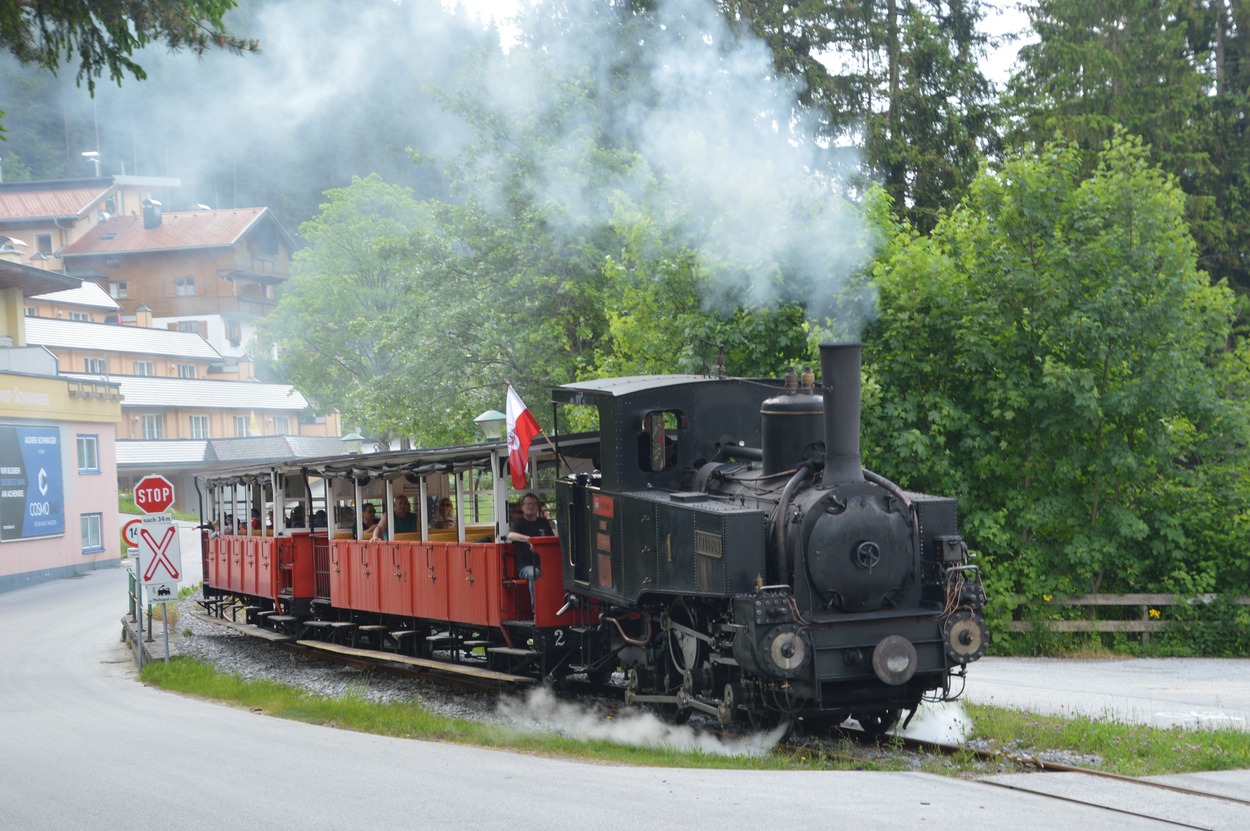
839 369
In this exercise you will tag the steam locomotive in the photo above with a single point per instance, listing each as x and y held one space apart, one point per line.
719 544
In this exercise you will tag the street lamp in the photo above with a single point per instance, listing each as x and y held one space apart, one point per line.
353 442
94 155
492 423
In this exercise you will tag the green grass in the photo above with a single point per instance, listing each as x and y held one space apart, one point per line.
408 720
1128 749
1107 745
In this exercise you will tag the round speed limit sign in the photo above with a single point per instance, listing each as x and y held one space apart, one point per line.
130 533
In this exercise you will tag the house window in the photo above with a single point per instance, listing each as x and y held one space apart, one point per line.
144 368
95 366
119 290
281 426
186 370
44 243
154 426
88 454
31 311
185 286
80 316
92 536
240 425
234 332
199 427
191 326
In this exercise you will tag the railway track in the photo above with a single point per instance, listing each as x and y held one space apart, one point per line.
469 675
1216 807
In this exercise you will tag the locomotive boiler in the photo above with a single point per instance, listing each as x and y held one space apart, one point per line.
743 562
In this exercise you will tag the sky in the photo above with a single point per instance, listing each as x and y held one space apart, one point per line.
1004 17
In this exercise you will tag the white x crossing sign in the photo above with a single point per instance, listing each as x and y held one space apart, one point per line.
160 555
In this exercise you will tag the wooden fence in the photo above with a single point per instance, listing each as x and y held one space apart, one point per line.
1143 623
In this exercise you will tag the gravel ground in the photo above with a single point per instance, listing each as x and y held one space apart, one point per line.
254 659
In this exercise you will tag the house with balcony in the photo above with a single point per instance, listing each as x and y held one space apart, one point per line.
211 272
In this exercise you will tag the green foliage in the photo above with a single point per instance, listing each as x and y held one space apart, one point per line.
1175 73
1053 356
103 36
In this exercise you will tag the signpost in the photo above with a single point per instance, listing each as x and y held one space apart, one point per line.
159 565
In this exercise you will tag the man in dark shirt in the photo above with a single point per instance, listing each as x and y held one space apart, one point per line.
528 524
405 519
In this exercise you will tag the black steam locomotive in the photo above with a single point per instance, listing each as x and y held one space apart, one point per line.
743 563
718 541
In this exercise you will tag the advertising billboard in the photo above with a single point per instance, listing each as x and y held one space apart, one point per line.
31 503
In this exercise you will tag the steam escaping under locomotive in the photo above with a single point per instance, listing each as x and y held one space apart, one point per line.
720 547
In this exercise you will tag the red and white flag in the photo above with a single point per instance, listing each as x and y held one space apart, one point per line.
521 431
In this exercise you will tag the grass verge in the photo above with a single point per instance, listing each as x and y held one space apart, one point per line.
1116 747
1108 745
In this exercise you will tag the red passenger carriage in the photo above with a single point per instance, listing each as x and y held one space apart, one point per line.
452 590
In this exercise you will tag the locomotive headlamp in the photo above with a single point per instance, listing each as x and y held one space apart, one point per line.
894 660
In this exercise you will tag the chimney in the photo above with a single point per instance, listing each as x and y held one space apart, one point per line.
151 214
143 316
839 370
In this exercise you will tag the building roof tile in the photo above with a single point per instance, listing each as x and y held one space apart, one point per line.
178 230
194 393
49 204
89 294
107 337
204 453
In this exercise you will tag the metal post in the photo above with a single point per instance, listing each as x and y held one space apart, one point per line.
139 617
165 615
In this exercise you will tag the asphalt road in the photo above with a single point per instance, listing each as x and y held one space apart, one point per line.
1163 692
84 745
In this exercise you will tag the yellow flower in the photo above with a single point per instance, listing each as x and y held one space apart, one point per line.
1046 597
1155 614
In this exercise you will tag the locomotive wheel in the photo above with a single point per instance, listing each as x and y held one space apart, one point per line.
685 652
877 723
683 655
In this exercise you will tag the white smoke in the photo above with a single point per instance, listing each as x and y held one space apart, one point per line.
701 134
722 159
540 711
943 722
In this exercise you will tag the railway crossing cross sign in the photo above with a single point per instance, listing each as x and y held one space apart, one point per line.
160 557
154 494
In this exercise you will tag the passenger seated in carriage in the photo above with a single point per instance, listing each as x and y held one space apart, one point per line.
446 515
405 519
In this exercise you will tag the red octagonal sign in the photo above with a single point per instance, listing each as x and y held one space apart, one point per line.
154 494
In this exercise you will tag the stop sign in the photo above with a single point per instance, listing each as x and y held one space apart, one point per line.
154 494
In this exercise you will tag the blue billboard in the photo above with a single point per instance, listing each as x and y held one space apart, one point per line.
31 503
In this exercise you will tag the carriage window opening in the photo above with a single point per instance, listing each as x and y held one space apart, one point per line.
658 445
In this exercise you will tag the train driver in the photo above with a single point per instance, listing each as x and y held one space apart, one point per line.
528 524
